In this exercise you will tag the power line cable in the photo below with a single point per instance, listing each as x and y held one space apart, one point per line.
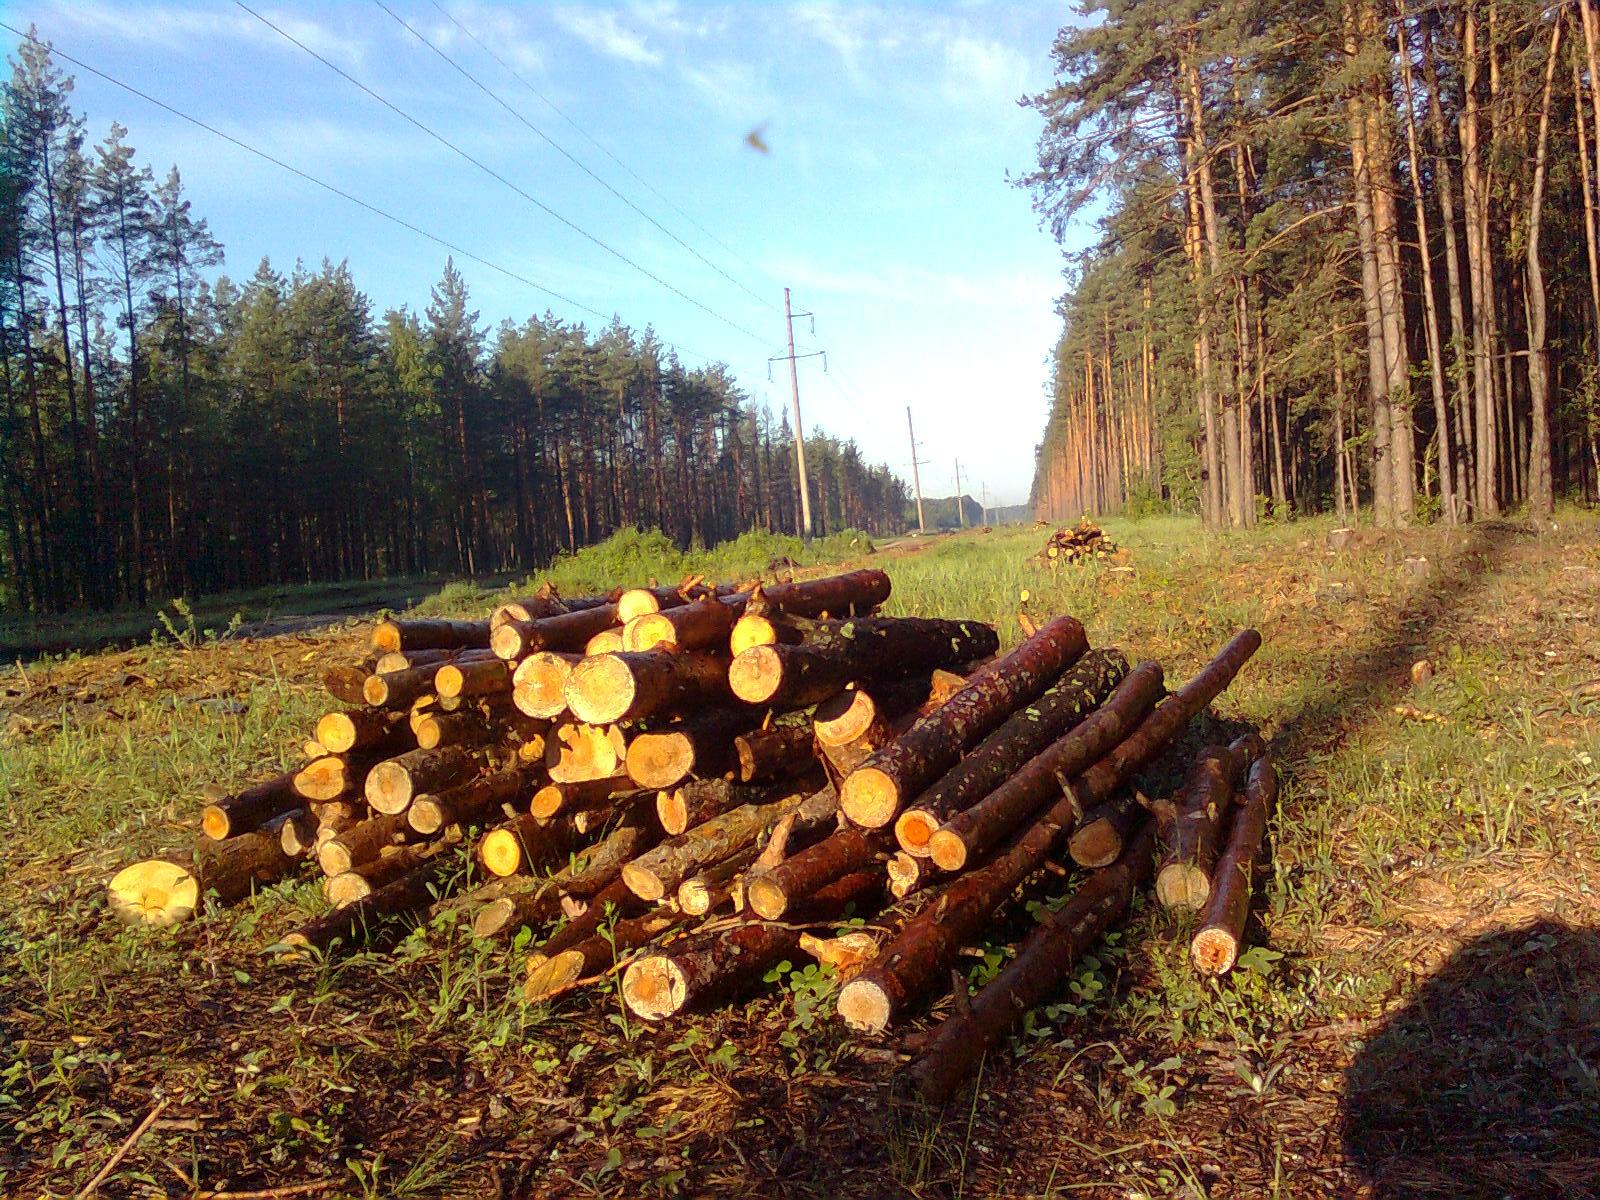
57 52
562 150
599 145
492 173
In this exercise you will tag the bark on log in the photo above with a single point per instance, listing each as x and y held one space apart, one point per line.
165 892
653 875
625 687
1183 877
298 834
363 729
467 727
907 874
972 833
407 896
366 878
613 902
1042 962
1065 705
600 952
565 799
776 628
682 808
346 684
699 743
1103 830
401 660
480 677
712 888
866 648
577 752
531 608
523 844
468 803
774 752
852 593
719 963
391 784
251 808
703 625
399 690
875 792
1216 944
363 842
538 686
637 602
843 718
389 636
568 631
772 893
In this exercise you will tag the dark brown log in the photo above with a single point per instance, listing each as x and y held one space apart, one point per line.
468 803
973 832
853 593
568 631
584 796
161 891
626 687
548 976
391 784
530 608
653 875
538 686
298 834
1103 830
699 743
480 677
865 648
1041 964
400 689
523 844
346 684
875 792
1183 877
682 808
401 660
1026 732
407 896
772 893
364 729
251 808
776 628
907 874
774 752
711 888
363 842
467 727
366 878
703 625
614 902
576 752
1216 944
390 636
717 964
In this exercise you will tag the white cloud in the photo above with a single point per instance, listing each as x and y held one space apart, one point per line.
980 71
501 30
175 28
605 33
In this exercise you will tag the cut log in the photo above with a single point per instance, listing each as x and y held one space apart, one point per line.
366 878
298 834
907 874
875 792
1023 735
852 593
972 833
614 902
651 876
579 752
587 795
408 896
699 743
772 893
1183 878
607 641
364 729
400 689
1216 944
703 625
165 892
594 954
391 784
719 963
567 631
538 686
401 660
865 648
154 891
389 636
347 685
637 602
775 628
468 803
846 954
625 687
531 608
363 842
334 776
480 677
1104 829
251 808
524 844
313 749
711 888
1042 962
774 752
682 808
467 727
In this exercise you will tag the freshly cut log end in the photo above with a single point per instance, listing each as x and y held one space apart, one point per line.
656 987
214 822
1098 840
1214 951
756 675
500 850
627 686
298 835
600 689
916 831
392 636
907 874
865 1006
554 974
229 816
700 625
870 797
481 677
508 640
540 681
765 897
579 753
1182 886
153 892
844 718
754 629
643 883
607 641
660 760
346 888
494 917
948 850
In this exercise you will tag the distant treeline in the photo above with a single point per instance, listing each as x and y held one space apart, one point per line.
162 433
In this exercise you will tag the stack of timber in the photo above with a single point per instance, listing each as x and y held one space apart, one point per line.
1075 544
682 787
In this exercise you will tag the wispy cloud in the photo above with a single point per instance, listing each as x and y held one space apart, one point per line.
981 71
898 283
502 30
735 88
190 29
603 31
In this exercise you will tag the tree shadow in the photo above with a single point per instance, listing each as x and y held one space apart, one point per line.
1487 1082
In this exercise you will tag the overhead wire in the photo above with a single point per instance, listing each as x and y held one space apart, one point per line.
334 189
494 174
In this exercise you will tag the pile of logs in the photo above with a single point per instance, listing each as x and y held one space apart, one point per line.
687 785
1075 544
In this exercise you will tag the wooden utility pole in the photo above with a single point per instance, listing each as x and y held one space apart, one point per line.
961 509
799 429
916 474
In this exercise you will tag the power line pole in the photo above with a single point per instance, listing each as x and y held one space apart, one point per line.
961 509
799 429
916 474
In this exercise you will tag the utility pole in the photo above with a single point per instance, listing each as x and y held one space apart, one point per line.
799 429
916 474
961 509
984 490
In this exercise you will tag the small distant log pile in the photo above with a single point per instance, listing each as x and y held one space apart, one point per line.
1075 544
684 786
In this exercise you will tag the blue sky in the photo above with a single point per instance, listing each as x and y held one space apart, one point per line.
882 199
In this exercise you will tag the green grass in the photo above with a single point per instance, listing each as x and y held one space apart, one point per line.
1402 835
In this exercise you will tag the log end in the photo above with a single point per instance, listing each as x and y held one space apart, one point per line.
1182 886
388 788
540 685
660 760
635 603
214 822
756 675
333 858
870 797
643 882
500 852
426 815
672 810
914 830
607 641
547 801
153 892
948 851
765 897
345 888
375 690
386 637
648 631
1096 844
600 689
493 917
448 680
1214 951
547 978
696 897
843 718
507 641
336 732
864 1006
654 988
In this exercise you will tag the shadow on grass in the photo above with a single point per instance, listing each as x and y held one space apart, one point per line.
1487 1084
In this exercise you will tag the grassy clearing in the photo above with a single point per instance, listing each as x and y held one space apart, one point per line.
1434 869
